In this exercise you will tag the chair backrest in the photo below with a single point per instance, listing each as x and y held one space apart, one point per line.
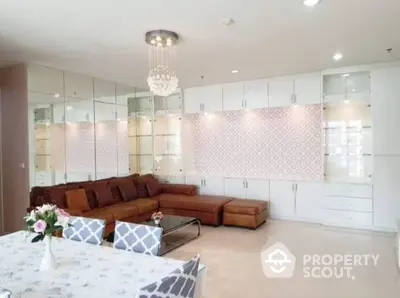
4 293
89 230
180 283
138 238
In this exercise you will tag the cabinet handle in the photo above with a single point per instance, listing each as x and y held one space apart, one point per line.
247 184
295 188
205 182
242 103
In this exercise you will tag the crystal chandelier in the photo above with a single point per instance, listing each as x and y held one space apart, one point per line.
162 80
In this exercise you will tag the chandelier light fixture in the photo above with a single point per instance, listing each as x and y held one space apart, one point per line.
162 80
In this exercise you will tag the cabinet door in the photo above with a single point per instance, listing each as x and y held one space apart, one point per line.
386 191
309 200
308 89
192 100
257 189
233 96
235 187
282 199
385 98
213 186
280 92
256 94
212 98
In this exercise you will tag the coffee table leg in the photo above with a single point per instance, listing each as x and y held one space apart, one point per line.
186 240
198 227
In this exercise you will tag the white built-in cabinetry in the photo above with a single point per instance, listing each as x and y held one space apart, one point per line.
207 185
203 99
255 94
302 89
282 199
277 92
361 187
257 189
385 98
295 200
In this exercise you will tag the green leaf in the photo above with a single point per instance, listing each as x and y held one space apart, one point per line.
38 238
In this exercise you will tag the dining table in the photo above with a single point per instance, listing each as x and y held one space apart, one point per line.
83 270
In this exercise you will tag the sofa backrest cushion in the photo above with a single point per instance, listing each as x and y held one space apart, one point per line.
103 194
56 195
77 200
127 189
140 184
153 186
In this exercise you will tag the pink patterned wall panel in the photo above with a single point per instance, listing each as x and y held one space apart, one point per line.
279 143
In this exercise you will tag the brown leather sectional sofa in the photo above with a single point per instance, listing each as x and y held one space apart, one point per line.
133 199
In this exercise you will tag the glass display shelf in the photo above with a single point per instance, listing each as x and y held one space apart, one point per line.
347 86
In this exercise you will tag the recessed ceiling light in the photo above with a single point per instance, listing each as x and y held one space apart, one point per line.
235 71
57 95
337 56
345 75
311 2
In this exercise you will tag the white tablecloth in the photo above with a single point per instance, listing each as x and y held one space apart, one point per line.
84 270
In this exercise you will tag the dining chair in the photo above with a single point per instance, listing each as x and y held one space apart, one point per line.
89 230
137 238
180 283
4 293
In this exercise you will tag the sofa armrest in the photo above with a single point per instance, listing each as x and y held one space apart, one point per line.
179 189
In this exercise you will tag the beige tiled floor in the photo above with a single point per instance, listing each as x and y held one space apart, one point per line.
234 268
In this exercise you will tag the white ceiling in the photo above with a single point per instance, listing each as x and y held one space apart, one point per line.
105 38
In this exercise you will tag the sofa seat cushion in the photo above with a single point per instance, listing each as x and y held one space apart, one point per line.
100 214
143 205
246 207
121 211
212 204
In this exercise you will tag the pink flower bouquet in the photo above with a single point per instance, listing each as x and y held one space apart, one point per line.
45 220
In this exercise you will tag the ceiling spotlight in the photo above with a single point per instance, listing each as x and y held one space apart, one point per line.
311 2
235 71
337 56
57 95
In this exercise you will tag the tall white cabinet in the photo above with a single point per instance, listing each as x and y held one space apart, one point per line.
385 96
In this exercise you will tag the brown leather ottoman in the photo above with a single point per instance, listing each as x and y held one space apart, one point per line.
207 208
245 213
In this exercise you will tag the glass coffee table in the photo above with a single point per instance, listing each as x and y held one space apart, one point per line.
176 231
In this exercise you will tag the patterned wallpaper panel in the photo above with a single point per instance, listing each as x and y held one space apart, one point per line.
279 143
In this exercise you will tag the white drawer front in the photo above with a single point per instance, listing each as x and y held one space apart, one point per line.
352 204
348 190
348 218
